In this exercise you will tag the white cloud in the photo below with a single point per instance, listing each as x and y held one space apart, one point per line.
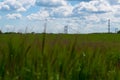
17 5
27 3
91 15
4 7
42 14
62 11
114 2
90 28
93 7
92 18
14 16
58 12
51 3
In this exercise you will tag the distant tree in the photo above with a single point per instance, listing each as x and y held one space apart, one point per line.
118 32
32 32
0 32
10 32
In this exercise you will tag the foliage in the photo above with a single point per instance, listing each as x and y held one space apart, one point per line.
0 32
118 32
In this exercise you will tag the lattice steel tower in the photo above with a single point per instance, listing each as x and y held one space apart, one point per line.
66 29
45 25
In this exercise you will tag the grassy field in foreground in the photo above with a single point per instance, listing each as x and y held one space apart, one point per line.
59 57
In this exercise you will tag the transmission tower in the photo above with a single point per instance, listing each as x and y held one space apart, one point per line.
66 29
116 30
108 25
45 25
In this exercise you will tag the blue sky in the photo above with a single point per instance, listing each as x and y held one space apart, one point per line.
84 16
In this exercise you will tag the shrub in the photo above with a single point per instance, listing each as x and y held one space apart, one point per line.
118 32
0 32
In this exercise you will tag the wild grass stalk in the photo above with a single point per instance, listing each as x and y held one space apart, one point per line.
67 57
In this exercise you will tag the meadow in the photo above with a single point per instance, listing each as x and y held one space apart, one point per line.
59 57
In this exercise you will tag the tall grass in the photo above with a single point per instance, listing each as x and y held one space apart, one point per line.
59 57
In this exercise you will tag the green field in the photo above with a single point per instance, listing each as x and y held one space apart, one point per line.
59 57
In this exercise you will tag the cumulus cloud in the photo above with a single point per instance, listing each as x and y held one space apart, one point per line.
114 2
63 11
81 10
51 3
14 16
94 14
93 7
42 14
59 12
96 11
16 5
91 15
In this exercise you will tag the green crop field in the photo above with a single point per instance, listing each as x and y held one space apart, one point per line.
59 57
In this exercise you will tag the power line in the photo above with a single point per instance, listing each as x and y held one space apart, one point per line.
66 29
74 30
